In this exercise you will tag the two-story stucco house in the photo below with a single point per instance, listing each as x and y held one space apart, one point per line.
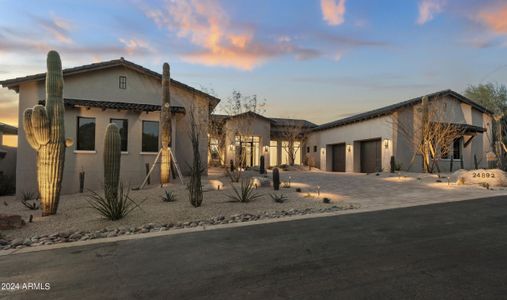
116 91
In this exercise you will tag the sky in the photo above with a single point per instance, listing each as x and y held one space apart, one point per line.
319 60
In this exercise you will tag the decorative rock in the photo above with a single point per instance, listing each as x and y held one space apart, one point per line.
491 177
10 222
16 242
260 181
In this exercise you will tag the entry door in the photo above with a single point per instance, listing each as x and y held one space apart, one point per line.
339 158
371 156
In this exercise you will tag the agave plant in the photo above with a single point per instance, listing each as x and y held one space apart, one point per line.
169 196
113 208
245 193
279 198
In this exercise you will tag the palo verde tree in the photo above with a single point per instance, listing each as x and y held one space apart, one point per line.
292 132
45 132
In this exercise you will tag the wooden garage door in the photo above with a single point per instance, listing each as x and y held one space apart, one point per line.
370 156
339 158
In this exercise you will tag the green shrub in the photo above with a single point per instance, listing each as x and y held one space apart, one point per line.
113 208
279 198
245 193
326 200
30 200
169 196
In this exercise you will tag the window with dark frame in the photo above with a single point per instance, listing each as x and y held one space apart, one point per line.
308 149
85 135
150 136
314 148
456 149
123 82
123 125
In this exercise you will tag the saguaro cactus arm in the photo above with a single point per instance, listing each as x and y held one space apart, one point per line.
40 124
27 126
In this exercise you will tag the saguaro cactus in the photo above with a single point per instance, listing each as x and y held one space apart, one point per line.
112 155
45 132
262 168
165 125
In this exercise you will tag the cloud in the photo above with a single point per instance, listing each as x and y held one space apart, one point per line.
333 11
216 40
495 19
136 46
429 8
58 28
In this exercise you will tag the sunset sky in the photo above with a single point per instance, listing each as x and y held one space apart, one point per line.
314 59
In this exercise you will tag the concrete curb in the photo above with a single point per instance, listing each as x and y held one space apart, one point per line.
222 226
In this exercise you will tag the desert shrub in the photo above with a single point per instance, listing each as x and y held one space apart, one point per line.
245 193
113 208
298 190
169 196
7 185
279 198
284 167
234 175
326 200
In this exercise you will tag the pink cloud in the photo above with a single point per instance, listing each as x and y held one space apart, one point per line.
428 9
495 19
333 11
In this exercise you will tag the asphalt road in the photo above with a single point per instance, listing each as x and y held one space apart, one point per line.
445 251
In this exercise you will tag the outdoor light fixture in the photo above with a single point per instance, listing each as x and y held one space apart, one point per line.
349 148
266 149
386 143
231 147
318 190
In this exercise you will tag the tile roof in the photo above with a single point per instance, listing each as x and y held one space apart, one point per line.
14 83
8 129
140 107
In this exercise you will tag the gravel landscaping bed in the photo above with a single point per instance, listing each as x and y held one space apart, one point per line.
73 236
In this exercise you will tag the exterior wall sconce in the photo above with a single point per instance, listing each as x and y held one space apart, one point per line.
386 143
349 148
231 147
323 151
266 149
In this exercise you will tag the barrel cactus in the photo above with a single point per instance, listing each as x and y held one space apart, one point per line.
165 126
276 179
112 155
45 132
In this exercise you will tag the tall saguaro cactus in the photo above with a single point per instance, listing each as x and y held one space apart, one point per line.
45 132
165 125
112 156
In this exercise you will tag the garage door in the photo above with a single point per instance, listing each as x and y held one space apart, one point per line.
339 158
370 156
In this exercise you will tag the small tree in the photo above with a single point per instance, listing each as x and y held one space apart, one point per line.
430 134
293 131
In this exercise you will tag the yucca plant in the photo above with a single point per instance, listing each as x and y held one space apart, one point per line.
279 198
169 196
113 208
245 193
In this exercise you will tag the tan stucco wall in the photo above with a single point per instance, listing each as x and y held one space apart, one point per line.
351 135
103 85
251 126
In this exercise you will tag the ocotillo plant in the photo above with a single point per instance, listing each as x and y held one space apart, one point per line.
276 179
165 126
112 155
45 132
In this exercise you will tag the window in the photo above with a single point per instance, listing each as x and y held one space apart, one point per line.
123 125
456 149
150 136
308 149
85 134
315 148
123 82
273 153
